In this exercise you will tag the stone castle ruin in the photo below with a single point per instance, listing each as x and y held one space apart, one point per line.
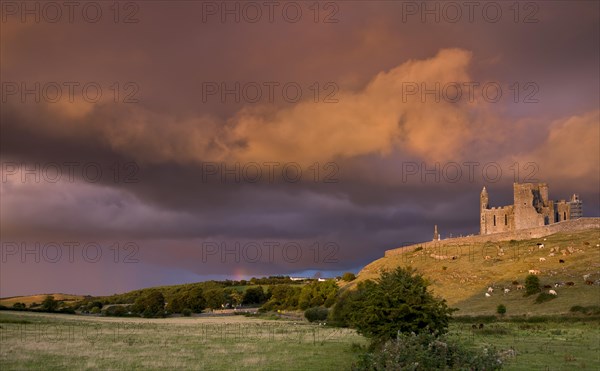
531 208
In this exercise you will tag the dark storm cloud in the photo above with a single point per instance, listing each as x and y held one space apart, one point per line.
371 134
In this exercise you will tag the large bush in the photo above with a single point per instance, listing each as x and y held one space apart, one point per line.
49 304
254 295
316 314
318 294
150 305
427 352
398 302
348 276
282 297
532 285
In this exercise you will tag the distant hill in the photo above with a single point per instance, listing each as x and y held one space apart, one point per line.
461 270
28 300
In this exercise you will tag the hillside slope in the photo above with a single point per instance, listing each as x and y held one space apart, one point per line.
461 274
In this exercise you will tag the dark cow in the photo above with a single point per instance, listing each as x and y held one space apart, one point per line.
561 261
515 282
570 283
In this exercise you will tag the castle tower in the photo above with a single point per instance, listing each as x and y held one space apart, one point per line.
484 203
436 235
576 207
484 199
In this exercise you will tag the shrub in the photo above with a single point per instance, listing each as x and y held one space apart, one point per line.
116 311
427 352
254 295
49 304
186 312
532 285
19 306
316 314
348 276
589 310
501 309
67 310
543 297
398 302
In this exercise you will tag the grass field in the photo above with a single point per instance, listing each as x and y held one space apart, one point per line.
55 341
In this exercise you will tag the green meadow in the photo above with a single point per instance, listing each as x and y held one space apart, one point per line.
57 341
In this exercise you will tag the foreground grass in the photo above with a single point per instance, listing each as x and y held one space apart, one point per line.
550 345
35 341
54 341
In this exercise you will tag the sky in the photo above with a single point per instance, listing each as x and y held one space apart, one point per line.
164 142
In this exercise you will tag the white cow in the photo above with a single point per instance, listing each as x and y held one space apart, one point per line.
487 295
534 271
542 259
552 292
490 289
506 291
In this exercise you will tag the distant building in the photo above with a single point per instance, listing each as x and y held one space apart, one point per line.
531 208
436 235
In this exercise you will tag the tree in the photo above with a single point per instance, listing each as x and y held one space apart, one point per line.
49 304
282 297
175 305
532 285
318 294
397 302
195 300
501 309
151 304
19 306
254 295
214 298
348 276
316 314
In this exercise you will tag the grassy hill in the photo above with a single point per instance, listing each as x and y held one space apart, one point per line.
462 274
28 300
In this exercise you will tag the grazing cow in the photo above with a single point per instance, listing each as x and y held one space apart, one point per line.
561 261
534 271
559 284
520 287
481 326
547 286
570 283
487 257
586 276
487 295
515 282
588 282
540 245
474 326
490 289
542 259
552 292
506 291
551 254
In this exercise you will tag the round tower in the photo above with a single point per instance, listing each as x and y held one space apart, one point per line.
484 200
484 203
